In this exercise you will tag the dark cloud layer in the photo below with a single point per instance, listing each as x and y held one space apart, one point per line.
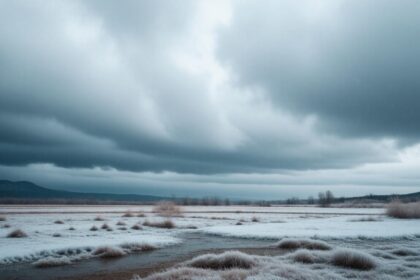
354 64
207 87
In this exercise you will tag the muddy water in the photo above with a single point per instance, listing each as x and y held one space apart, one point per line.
193 243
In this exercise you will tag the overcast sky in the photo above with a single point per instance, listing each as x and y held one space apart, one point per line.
245 99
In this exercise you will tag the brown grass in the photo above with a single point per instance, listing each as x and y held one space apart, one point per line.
163 224
136 227
353 259
293 244
167 209
226 260
17 233
93 228
109 252
397 209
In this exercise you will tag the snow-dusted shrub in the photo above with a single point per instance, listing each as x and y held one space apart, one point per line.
182 273
105 226
136 227
404 252
226 260
367 219
399 210
293 244
93 228
99 218
108 252
255 219
17 233
239 224
51 261
2 218
56 235
138 247
128 214
353 259
303 256
163 224
72 228
167 209
58 222
120 223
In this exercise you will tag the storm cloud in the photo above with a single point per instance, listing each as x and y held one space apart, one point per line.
213 92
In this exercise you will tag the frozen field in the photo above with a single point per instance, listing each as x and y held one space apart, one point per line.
49 236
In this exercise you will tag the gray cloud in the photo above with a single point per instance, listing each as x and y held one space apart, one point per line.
151 86
354 64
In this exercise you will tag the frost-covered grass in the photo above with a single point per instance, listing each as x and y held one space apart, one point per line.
293 244
353 259
109 252
226 260
401 210
160 224
167 209
51 261
17 233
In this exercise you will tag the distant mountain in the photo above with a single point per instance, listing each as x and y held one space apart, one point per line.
15 191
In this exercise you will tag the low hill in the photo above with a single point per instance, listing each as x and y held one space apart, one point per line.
22 191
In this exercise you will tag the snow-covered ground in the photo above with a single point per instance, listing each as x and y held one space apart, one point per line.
47 238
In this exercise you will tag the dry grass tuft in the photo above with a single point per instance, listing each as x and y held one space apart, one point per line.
226 260
367 219
239 224
105 226
293 244
141 215
353 259
136 227
163 224
167 209
56 235
2 218
6 226
93 228
72 228
17 233
51 262
122 228
58 222
109 252
138 247
303 256
403 252
399 210
128 214
120 223
99 218
255 219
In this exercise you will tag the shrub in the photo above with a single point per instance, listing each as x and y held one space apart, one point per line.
50 262
128 214
136 227
353 259
99 218
17 233
105 226
120 223
109 252
303 256
239 224
93 228
58 222
293 244
227 260
167 209
138 247
56 235
164 224
72 228
399 210
255 219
